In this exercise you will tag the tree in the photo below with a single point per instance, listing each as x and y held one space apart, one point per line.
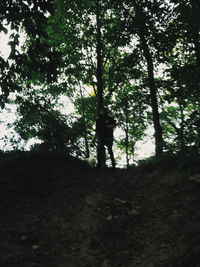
30 17
38 118
115 48
139 24
130 108
187 24
181 54
86 40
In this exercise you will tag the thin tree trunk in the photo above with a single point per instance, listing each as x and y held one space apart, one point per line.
127 139
127 144
133 150
87 150
181 134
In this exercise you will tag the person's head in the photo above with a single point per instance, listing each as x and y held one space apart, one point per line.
103 112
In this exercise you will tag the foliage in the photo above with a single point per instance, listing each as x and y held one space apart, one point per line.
39 119
150 58
30 17
130 106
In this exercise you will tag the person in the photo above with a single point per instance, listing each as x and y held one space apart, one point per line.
105 125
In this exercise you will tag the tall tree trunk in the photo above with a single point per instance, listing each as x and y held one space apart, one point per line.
153 95
99 71
152 86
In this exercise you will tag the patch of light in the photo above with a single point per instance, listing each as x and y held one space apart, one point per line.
146 147
5 48
5 39
66 106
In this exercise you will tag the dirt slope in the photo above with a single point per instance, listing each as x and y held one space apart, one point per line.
58 212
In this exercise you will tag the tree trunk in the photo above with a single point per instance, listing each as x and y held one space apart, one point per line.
127 144
133 150
181 134
127 139
153 91
99 71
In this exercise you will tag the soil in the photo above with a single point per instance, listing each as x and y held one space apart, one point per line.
57 211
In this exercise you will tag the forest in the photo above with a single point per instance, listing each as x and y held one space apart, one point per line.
140 59
67 59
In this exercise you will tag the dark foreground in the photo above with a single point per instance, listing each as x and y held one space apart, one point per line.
58 212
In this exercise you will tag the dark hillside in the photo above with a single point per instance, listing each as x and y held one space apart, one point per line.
42 197
153 215
57 211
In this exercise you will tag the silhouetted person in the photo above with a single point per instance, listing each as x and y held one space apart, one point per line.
104 132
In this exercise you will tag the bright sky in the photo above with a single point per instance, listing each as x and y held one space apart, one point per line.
145 148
